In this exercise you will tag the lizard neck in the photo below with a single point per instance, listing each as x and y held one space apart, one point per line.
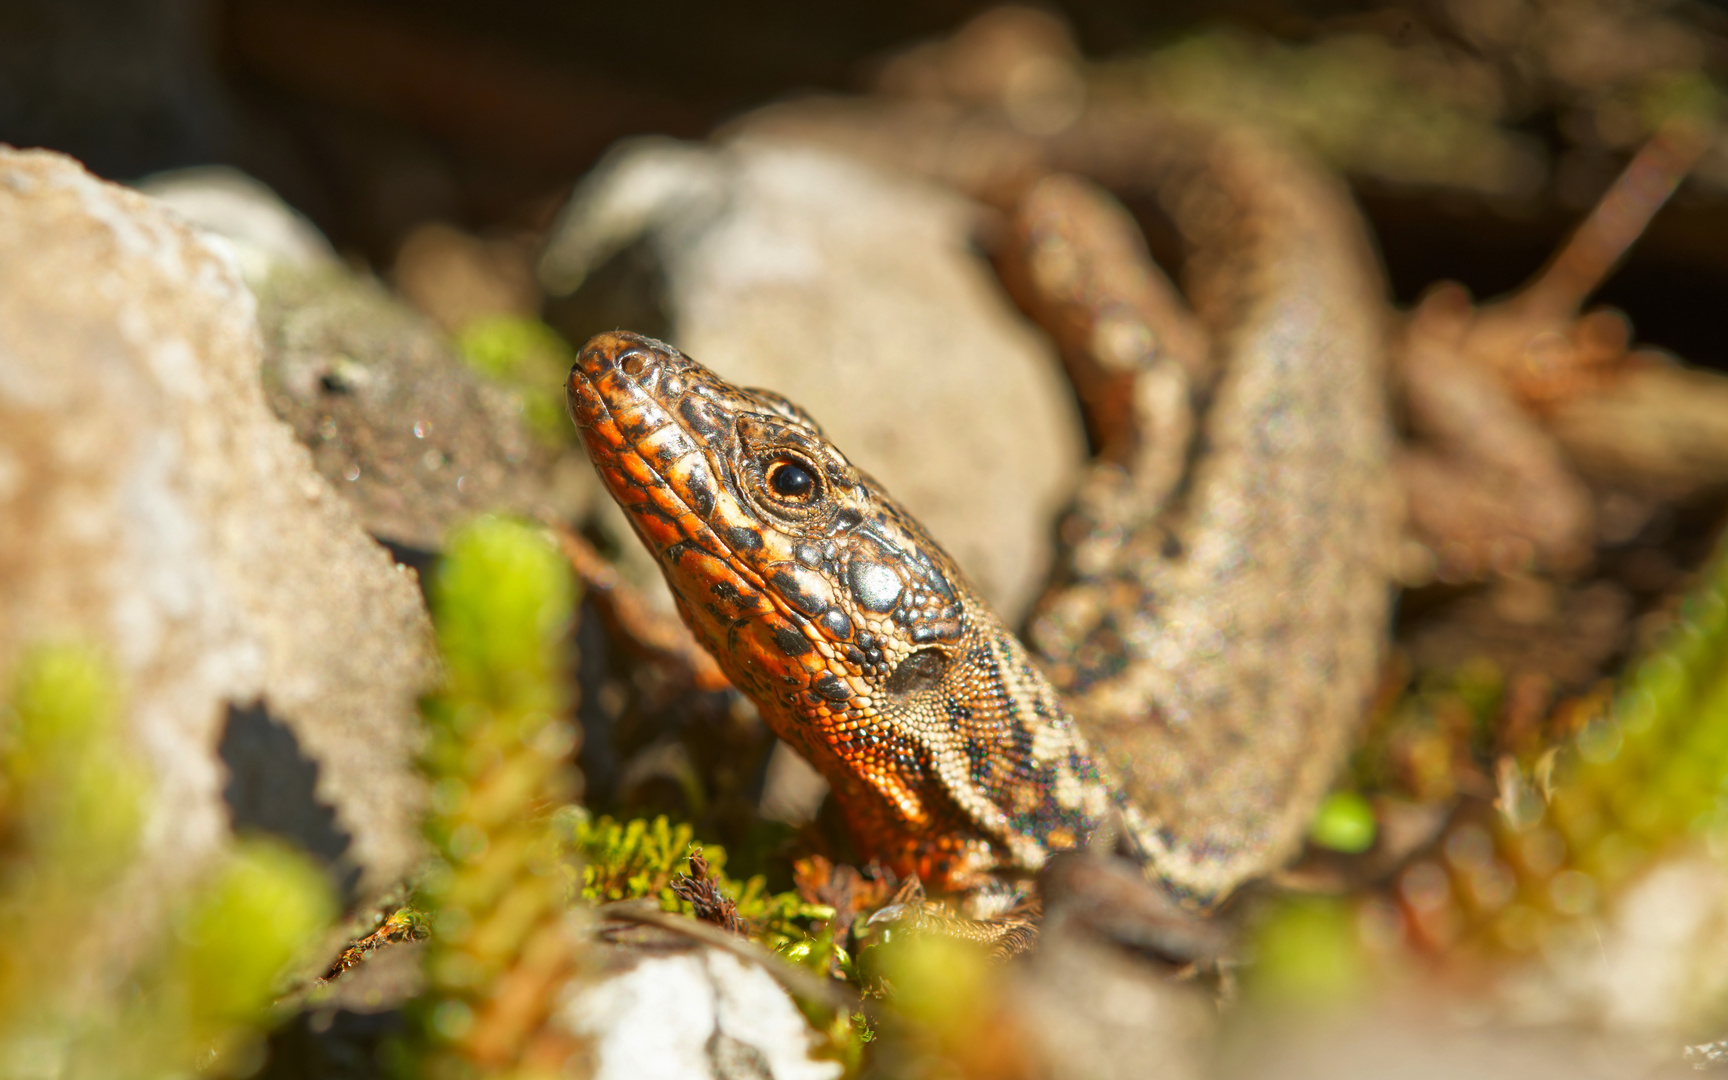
991 773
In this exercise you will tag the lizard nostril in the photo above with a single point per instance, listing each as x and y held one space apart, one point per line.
635 363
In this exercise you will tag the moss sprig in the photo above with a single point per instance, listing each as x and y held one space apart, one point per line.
498 762
1641 771
71 819
639 858
531 359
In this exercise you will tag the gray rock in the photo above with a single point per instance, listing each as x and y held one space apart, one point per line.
270 653
854 293
1089 1011
405 430
265 231
1415 1037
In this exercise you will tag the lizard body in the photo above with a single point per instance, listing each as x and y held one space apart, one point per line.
1222 633
1217 640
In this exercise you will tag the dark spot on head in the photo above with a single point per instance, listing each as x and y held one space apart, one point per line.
790 641
701 495
805 591
741 538
1171 547
922 670
939 587
847 520
831 688
838 625
648 508
699 417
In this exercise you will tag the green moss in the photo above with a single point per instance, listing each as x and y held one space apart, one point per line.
207 993
1644 773
70 817
1307 953
529 357
497 761
624 860
1369 105
1344 822
1651 770
71 812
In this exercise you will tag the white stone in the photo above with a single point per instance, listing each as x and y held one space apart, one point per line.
685 1016
856 294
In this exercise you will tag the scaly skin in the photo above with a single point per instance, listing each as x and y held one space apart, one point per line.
1223 639
854 633
1218 642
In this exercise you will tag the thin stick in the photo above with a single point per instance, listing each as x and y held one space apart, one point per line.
1620 216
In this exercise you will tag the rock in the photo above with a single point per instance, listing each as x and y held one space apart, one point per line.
264 231
1413 1036
270 654
855 294
457 278
1089 1011
694 1013
406 431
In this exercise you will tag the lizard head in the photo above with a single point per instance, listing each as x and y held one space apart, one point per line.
819 597
834 611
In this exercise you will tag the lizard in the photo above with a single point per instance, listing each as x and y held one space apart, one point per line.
1214 640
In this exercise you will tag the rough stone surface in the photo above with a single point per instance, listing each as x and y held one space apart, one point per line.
264 231
1089 1011
395 420
402 428
1419 1038
699 1014
855 294
154 506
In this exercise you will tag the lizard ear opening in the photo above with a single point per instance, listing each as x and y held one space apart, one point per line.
923 670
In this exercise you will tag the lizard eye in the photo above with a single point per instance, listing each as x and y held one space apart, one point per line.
791 480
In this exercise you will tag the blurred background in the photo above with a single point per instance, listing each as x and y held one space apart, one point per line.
373 117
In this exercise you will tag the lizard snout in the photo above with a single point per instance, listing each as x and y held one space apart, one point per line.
613 368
